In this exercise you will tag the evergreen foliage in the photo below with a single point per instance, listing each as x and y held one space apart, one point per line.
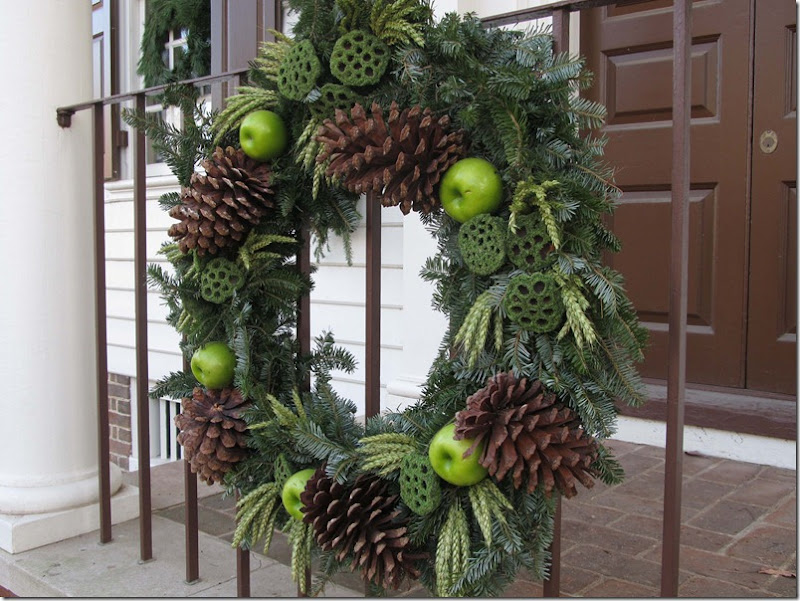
181 147
162 16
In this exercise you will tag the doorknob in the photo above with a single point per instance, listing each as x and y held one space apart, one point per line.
768 141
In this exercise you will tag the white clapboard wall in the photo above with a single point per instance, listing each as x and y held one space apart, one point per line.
337 302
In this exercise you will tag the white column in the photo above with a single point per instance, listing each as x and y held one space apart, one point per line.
423 326
48 434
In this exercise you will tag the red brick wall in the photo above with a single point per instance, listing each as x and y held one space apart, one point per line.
119 419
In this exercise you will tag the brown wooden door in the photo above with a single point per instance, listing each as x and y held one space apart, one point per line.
772 310
629 48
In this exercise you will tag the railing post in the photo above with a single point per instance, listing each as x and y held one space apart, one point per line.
678 296
552 584
104 467
142 378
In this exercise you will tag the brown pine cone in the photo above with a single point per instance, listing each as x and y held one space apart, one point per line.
527 433
220 207
402 158
361 520
212 431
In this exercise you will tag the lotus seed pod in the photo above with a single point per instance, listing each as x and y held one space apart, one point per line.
482 241
333 96
533 302
220 279
419 484
359 59
299 71
529 246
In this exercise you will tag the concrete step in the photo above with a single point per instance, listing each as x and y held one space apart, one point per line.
82 567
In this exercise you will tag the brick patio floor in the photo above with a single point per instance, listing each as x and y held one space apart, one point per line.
738 518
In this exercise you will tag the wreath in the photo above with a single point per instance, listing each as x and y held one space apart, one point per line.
194 60
483 134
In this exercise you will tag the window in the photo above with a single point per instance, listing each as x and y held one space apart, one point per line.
104 76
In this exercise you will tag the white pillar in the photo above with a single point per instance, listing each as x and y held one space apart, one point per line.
48 434
424 327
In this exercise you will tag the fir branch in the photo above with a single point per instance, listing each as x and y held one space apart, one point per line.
182 147
176 385
169 200
254 248
607 468
399 22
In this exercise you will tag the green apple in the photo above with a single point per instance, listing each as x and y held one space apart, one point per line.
447 458
295 484
263 135
470 187
213 365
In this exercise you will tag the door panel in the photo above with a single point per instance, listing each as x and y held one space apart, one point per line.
772 312
629 48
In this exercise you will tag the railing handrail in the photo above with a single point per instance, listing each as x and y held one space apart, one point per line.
538 12
64 113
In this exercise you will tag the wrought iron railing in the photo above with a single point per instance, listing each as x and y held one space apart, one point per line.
560 12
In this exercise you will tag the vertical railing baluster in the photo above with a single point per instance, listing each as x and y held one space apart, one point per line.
103 460
192 526
191 511
304 338
372 341
142 378
551 587
304 304
678 296
372 351
242 571
552 584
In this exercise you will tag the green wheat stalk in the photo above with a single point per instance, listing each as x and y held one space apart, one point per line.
576 305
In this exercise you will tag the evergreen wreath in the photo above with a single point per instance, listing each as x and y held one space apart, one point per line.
551 391
161 17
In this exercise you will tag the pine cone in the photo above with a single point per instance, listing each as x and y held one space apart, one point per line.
526 432
220 207
212 431
361 520
402 158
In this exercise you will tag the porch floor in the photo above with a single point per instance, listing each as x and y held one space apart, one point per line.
739 519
